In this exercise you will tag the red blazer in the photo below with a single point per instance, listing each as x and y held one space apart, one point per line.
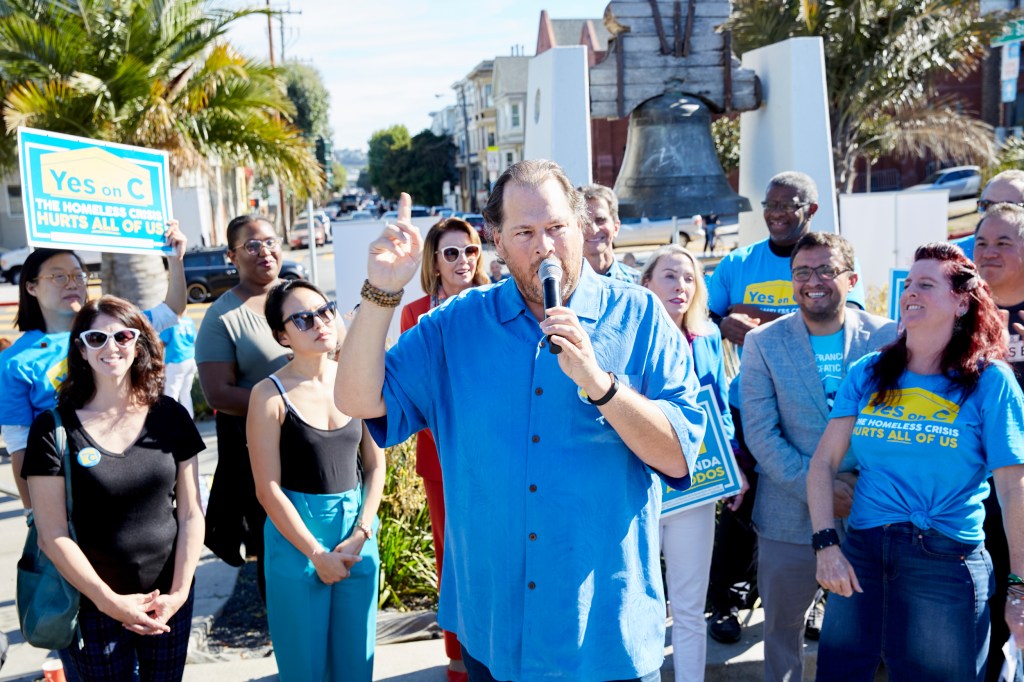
428 466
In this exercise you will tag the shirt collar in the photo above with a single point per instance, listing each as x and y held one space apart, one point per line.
585 300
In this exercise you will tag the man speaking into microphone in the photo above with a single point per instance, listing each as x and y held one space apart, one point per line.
552 491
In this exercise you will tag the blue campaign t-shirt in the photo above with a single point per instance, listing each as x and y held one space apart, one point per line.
31 371
755 276
828 356
926 455
179 341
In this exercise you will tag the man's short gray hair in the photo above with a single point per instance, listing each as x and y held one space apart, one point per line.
1008 213
531 173
605 194
802 183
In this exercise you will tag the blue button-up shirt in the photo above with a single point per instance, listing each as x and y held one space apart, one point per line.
551 564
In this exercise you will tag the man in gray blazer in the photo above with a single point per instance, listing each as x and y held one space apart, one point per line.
792 368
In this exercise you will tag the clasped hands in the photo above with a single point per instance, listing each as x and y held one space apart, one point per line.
336 565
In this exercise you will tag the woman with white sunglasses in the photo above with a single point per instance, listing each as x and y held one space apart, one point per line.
452 262
135 486
320 478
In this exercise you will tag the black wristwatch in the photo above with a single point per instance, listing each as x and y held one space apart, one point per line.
824 538
607 396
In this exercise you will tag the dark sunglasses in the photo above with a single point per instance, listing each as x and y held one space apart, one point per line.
304 321
254 246
985 204
96 339
452 253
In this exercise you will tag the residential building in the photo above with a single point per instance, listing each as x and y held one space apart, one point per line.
510 76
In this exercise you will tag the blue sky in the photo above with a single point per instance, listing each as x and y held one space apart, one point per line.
386 61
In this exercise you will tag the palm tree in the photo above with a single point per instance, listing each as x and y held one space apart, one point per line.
153 73
881 57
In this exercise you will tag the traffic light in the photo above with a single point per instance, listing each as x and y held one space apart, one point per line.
323 157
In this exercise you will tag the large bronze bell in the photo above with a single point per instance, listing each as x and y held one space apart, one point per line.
670 167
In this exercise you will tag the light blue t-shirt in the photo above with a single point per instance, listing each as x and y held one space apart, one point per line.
828 356
926 456
180 341
551 564
755 276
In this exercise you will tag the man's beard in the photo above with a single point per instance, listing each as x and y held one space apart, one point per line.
531 288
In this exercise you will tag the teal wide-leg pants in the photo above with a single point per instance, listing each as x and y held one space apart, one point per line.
322 632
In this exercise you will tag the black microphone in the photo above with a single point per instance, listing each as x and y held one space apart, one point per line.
550 274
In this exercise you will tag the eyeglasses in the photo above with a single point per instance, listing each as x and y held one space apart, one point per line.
825 272
62 278
254 246
985 204
788 206
96 339
452 253
304 321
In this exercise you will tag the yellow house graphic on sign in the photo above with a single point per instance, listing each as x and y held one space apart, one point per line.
94 174
915 404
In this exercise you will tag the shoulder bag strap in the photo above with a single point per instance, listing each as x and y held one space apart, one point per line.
60 439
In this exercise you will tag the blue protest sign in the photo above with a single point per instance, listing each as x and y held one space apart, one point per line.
79 193
715 474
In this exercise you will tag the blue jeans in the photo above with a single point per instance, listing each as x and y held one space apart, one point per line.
478 672
923 611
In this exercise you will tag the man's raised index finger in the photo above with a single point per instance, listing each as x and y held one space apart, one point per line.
404 207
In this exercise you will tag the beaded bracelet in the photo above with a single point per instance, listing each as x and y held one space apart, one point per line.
385 299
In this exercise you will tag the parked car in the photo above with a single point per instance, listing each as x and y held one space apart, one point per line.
209 273
961 181
11 262
360 215
643 232
299 235
477 221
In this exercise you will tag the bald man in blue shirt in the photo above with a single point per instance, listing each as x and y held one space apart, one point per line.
553 493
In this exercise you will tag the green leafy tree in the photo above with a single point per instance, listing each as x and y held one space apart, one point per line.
419 165
386 161
725 133
881 57
312 101
153 73
431 163
340 176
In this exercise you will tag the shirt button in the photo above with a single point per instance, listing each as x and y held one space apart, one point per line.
536 439
542 344
533 488
533 536
539 391
531 585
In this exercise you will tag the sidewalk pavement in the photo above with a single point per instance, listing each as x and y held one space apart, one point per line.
403 655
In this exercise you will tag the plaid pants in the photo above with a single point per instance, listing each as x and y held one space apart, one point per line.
110 652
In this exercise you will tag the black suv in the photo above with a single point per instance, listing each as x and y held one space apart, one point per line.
209 273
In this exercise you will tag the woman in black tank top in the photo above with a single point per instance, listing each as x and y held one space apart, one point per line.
320 478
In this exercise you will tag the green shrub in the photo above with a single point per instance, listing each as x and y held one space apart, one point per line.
408 577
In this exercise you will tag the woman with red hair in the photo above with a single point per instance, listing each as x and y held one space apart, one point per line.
928 417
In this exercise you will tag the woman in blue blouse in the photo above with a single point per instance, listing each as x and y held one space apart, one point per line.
687 537
928 417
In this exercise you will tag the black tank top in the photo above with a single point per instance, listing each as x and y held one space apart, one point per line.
317 461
